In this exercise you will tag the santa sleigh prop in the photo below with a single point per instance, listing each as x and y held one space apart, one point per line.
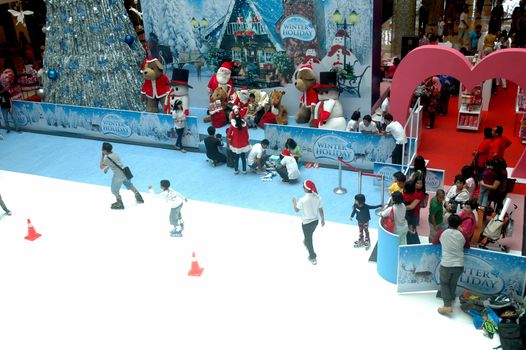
350 82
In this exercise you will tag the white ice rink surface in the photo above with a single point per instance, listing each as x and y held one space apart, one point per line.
103 279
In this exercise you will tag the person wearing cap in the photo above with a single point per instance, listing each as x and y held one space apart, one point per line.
288 169
310 206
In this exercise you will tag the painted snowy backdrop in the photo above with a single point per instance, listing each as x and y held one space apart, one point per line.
171 22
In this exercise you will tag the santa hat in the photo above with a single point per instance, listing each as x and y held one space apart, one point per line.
285 152
309 185
148 60
227 65
305 67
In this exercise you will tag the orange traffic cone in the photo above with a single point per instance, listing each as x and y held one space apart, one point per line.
31 233
195 270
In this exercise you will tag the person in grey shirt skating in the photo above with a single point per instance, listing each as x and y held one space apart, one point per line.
111 160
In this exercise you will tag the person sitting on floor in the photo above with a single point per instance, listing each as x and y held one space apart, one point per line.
212 144
288 169
257 156
294 149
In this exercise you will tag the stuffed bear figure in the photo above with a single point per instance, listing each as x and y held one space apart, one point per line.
216 109
155 87
222 78
305 83
328 113
178 91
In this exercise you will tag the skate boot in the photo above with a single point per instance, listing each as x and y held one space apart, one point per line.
176 232
181 224
367 244
359 243
117 205
138 198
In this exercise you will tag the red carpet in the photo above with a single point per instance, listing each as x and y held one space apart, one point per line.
450 149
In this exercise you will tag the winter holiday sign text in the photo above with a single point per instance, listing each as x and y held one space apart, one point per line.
485 272
297 27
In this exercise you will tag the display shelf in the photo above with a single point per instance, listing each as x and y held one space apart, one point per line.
470 105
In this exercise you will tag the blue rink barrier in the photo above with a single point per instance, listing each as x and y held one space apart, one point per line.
155 129
325 146
387 258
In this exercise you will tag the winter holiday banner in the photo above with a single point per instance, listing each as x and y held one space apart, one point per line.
485 272
325 146
108 124
434 177
267 40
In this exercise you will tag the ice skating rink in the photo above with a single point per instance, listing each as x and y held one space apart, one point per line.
103 279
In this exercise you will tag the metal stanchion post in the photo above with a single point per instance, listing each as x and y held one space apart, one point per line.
340 189
383 190
359 182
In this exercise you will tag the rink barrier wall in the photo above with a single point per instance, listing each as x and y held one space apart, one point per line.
325 146
486 272
387 256
152 129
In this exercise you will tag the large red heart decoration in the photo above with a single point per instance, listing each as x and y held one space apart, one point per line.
429 60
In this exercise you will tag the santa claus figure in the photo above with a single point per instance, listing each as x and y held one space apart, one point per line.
240 105
222 78
178 91
328 113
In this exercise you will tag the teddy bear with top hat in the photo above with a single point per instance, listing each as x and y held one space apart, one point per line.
179 91
328 113
155 87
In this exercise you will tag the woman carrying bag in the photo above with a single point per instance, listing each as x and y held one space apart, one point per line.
396 214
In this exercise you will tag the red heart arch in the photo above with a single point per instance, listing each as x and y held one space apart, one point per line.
430 60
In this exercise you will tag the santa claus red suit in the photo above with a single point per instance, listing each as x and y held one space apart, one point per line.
222 78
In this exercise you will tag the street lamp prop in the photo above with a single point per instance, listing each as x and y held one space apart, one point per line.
343 22
199 25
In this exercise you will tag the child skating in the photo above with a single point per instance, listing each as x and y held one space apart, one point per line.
361 210
175 200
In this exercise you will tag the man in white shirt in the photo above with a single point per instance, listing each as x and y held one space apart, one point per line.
385 104
310 205
463 26
288 169
257 156
367 126
397 131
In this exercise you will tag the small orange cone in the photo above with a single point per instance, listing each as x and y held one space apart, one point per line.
195 270
31 233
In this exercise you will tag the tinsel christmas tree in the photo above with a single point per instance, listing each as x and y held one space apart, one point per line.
92 56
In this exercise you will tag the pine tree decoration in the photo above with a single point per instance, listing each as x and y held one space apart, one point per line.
92 56
283 64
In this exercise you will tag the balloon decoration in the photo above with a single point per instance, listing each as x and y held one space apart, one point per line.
52 74
129 39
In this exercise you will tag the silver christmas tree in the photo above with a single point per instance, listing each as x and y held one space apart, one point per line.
92 56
